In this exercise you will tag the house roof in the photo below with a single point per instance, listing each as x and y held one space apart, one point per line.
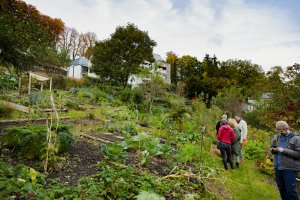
157 57
82 61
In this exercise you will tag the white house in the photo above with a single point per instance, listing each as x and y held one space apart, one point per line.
159 66
80 67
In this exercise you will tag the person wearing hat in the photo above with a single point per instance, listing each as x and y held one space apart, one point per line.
285 147
225 137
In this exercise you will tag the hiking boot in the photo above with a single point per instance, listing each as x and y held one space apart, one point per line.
237 165
232 166
225 165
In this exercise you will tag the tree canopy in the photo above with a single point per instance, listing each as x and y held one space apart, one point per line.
122 55
27 36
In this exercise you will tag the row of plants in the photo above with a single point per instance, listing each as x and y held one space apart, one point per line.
30 143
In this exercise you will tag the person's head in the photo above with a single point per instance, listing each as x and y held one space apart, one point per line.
237 118
224 116
232 123
223 122
282 127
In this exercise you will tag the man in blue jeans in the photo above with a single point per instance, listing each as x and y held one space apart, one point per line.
285 146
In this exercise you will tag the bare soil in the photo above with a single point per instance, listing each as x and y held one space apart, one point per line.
80 161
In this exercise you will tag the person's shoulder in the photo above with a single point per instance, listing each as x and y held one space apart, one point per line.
236 129
294 134
275 137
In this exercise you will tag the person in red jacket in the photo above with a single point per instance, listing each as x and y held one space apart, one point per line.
225 137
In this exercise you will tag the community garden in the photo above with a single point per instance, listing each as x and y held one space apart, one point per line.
105 142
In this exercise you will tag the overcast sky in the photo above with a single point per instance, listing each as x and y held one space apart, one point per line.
267 32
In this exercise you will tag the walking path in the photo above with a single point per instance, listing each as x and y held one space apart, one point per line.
248 183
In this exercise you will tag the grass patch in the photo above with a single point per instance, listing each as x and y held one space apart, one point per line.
248 183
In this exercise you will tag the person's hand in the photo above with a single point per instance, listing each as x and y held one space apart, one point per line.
278 149
244 143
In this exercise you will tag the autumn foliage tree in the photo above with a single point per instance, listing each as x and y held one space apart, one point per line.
77 44
172 59
27 36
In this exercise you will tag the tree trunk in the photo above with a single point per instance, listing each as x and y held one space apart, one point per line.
19 85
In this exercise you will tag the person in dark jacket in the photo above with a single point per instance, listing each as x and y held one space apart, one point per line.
285 147
225 137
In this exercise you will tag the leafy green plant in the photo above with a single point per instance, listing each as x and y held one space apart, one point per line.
145 158
189 152
21 182
8 82
254 150
130 128
113 151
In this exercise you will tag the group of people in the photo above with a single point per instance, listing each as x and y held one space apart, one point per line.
285 147
231 135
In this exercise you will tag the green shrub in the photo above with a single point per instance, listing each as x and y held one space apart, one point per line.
126 95
98 96
5 111
32 146
254 150
66 139
8 82
72 82
117 102
266 167
28 141
138 96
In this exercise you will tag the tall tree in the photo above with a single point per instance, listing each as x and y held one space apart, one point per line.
172 59
77 44
211 66
247 76
115 59
26 35
189 66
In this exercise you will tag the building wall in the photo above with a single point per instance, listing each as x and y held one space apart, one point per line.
75 71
